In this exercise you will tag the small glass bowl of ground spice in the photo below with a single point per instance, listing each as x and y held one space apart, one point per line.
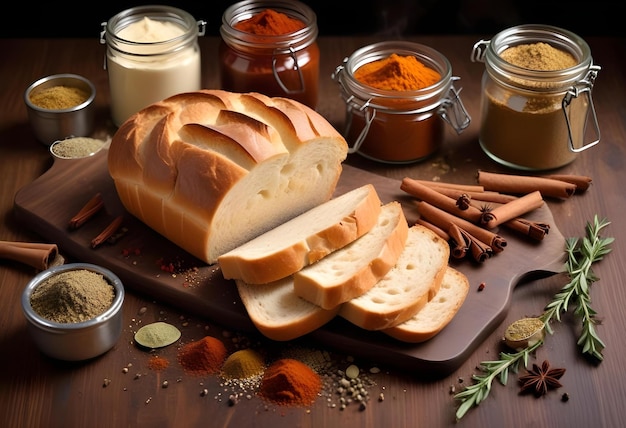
74 311
60 106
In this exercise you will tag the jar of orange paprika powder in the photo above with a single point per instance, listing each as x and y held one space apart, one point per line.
270 47
399 95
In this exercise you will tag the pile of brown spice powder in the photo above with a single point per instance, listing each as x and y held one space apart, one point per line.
72 296
202 357
538 56
59 97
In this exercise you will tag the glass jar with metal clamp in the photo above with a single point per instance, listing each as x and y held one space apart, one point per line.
532 118
399 127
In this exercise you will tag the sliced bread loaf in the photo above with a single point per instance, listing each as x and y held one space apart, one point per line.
305 239
211 169
278 313
437 313
353 270
406 288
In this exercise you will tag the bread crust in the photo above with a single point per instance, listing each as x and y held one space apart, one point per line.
408 286
293 245
437 313
278 313
330 290
211 169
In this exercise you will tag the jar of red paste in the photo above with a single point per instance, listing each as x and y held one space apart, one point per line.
399 126
266 59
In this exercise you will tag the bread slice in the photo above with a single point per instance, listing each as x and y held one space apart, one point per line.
211 169
353 270
278 313
304 239
406 288
437 313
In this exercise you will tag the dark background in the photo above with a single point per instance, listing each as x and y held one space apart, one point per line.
392 18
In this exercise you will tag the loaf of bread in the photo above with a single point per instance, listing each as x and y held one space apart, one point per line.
356 268
305 239
211 170
437 313
407 287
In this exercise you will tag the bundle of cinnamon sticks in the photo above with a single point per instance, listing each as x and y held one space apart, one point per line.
467 215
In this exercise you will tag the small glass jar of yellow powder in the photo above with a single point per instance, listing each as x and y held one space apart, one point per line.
537 111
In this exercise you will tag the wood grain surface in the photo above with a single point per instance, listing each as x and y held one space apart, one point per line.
46 205
36 391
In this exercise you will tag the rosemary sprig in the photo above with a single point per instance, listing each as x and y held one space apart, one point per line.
580 258
474 394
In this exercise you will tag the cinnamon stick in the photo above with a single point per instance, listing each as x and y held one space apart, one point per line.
92 206
443 185
430 195
460 246
107 232
505 212
486 196
480 251
442 233
521 184
444 219
582 182
534 230
37 255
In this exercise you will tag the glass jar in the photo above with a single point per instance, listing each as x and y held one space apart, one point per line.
531 119
145 70
275 65
399 127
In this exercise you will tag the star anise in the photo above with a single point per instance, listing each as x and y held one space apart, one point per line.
540 379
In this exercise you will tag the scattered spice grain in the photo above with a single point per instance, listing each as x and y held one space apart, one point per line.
72 296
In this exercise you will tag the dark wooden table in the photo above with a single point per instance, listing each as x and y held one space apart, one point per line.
37 391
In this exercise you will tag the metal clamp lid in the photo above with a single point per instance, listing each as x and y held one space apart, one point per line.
451 109
296 67
584 86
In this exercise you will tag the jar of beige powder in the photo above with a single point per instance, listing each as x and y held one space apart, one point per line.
537 111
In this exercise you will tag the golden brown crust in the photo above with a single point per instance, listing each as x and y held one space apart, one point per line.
187 164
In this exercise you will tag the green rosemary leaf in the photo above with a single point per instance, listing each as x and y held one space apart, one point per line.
474 394
581 254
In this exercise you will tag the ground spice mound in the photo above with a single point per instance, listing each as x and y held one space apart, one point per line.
270 23
243 364
77 147
290 382
157 363
73 296
59 97
397 73
538 56
204 356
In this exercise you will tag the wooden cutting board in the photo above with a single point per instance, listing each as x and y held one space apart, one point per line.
46 205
